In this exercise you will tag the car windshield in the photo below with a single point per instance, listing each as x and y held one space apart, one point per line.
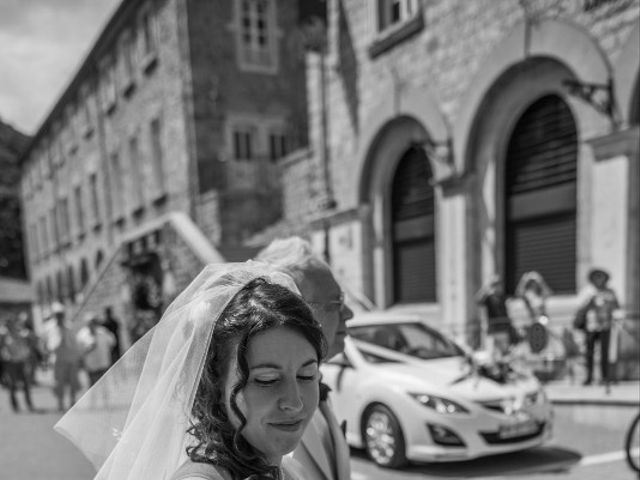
412 338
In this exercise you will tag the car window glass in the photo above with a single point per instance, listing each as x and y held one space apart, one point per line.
413 339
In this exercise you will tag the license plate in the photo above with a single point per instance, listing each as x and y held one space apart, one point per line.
518 429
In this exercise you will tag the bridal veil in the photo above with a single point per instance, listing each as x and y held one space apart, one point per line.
131 424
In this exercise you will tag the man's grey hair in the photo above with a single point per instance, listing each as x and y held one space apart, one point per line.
293 255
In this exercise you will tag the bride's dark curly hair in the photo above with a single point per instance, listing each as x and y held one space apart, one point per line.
257 307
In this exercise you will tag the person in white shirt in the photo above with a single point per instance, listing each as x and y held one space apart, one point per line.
95 343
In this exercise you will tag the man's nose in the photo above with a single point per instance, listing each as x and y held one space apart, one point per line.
346 313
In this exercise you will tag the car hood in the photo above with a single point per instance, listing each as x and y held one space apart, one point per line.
451 376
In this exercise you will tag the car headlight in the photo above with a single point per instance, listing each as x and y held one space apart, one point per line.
439 404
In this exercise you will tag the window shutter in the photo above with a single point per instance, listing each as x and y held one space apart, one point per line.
412 204
541 172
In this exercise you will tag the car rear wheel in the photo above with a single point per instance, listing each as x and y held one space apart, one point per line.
383 437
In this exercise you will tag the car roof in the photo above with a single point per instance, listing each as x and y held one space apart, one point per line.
383 318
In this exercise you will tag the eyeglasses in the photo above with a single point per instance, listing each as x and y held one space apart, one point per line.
331 305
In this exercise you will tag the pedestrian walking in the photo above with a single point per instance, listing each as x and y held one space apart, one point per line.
112 324
15 352
597 308
499 327
95 343
63 347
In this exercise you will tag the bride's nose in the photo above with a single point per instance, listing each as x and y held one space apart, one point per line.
291 398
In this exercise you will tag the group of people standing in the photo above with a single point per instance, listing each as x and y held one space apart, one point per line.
64 349
596 313
94 347
227 385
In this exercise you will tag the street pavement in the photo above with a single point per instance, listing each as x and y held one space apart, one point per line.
31 450
619 394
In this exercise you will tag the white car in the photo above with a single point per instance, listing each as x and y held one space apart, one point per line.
407 392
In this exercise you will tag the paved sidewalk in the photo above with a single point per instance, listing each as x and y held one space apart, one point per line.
620 394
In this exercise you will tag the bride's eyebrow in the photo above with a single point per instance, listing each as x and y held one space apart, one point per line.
309 362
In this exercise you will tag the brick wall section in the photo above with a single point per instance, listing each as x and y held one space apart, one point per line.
157 93
247 190
442 58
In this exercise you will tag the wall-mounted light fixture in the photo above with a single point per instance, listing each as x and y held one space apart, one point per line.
441 152
599 95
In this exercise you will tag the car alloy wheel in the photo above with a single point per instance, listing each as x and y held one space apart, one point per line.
383 437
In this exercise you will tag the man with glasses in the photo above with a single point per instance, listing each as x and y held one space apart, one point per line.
323 453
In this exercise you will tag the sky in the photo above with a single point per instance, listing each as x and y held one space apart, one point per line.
42 44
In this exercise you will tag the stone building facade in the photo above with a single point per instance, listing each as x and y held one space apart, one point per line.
164 141
15 292
457 140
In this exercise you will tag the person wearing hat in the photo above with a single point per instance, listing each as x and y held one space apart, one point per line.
599 305
95 343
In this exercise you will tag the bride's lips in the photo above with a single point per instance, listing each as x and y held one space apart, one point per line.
288 425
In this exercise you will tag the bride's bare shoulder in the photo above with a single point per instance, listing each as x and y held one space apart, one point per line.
200 471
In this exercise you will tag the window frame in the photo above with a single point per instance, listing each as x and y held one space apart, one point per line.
157 158
388 33
244 51
147 27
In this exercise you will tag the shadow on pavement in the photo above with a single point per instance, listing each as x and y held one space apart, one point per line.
536 460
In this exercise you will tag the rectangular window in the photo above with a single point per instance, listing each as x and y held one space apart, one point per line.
77 193
278 146
55 237
137 181
256 35
109 93
117 184
44 236
86 127
95 204
243 143
65 225
395 12
157 158
70 137
128 62
33 243
148 37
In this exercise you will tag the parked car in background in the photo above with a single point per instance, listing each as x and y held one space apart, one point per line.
409 393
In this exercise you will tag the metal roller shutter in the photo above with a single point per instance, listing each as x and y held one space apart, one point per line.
412 203
541 173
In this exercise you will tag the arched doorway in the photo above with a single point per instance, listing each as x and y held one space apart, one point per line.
540 195
413 229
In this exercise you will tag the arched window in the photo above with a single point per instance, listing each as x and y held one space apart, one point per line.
412 218
540 189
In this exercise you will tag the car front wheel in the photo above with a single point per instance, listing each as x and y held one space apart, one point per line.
383 437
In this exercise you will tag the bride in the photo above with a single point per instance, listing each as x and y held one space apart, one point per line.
221 389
